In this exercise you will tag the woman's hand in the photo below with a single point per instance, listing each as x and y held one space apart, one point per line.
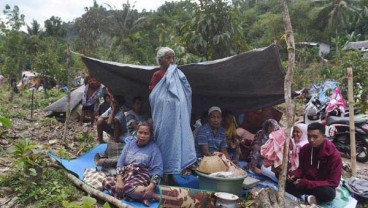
148 191
119 184
290 178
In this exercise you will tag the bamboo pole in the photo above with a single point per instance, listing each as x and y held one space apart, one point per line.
289 110
68 71
94 192
351 122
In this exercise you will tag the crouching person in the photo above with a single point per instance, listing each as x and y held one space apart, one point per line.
319 170
113 121
139 169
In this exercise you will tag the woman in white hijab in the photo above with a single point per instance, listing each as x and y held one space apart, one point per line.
299 136
299 139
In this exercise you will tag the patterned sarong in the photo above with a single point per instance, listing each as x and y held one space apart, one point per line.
133 176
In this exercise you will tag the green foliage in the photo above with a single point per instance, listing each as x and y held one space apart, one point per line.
29 157
87 202
359 65
197 31
55 27
63 153
4 122
84 137
215 31
40 99
31 181
6 112
267 29
247 201
50 191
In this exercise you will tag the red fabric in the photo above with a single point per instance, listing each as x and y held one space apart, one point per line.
246 139
253 120
336 101
324 170
156 77
272 150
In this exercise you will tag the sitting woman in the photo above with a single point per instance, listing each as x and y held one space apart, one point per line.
139 169
272 150
261 137
232 139
299 139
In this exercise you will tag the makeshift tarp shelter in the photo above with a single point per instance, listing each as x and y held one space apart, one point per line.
60 105
244 82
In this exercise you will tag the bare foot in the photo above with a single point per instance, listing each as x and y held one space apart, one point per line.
146 202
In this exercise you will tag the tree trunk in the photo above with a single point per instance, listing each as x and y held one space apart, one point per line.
289 110
68 110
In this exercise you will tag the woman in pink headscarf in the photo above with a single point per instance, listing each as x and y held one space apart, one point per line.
272 150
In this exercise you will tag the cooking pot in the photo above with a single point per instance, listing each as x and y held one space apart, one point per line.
225 200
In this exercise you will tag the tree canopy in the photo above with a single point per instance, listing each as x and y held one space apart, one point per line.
205 30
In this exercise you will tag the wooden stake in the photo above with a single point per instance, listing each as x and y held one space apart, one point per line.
289 110
351 122
32 103
68 110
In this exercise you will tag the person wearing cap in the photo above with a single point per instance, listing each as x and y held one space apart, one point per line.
211 136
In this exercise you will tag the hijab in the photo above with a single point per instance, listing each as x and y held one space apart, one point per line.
304 137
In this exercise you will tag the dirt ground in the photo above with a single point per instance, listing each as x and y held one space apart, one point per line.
50 132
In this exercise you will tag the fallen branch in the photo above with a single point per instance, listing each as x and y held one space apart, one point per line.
11 203
112 200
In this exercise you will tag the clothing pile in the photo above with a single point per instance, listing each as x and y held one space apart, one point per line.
218 165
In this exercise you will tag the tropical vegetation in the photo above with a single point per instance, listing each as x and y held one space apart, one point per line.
198 31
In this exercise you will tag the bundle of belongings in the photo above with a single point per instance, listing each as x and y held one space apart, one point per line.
218 165
358 187
107 160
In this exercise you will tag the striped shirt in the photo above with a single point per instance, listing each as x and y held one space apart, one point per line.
215 142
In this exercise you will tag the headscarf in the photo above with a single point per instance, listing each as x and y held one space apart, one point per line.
304 138
262 135
295 148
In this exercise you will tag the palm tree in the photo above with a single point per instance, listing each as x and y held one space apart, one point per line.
34 29
334 16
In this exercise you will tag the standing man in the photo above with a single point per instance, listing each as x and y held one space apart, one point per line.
211 137
319 171
91 100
